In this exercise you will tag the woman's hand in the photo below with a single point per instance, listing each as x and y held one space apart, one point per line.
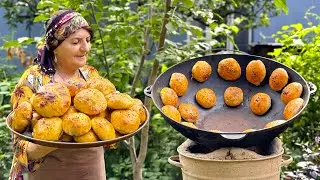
36 151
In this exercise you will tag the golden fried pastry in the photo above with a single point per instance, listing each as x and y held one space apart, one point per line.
76 124
88 137
119 101
35 118
103 128
260 103
233 96
229 69
75 85
172 112
102 84
206 97
201 71
169 96
189 124
249 130
21 94
52 99
278 79
274 123
49 129
125 121
71 109
291 91
90 101
137 101
104 114
255 72
292 108
21 117
189 112
179 83
139 109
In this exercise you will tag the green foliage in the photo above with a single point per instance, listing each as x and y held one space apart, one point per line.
17 11
282 4
251 12
301 51
6 86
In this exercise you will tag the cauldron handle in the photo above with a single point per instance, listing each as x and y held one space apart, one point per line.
147 91
174 160
312 87
286 160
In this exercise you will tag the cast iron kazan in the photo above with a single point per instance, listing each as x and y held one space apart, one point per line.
230 120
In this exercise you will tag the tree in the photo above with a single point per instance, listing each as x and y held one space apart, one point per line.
20 11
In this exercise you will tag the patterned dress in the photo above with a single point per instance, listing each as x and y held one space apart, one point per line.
33 78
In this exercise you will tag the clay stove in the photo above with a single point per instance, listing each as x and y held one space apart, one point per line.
199 162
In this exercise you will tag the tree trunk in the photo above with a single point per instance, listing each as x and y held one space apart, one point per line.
137 162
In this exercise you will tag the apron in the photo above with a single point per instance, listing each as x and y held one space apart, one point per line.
72 164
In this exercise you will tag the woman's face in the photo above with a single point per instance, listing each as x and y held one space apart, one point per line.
72 52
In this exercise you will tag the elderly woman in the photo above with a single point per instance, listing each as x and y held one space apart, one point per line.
64 56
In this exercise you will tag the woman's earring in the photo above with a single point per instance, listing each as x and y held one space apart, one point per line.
55 59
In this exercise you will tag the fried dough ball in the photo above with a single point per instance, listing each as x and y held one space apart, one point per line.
119 101
255 72
278 79
103 128
206 97
189 124
169 96
179 83
51 100
90 101
88 137
137 101
201 71
292 108
189 112
35 118
291 91
71 109
49 129
260 103
76 124
125 121
21 94
75 85
104 114
22 116
274 123
102 84
139 109
233 96
229 69
172 112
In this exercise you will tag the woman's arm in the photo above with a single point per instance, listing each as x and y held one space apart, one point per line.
35 151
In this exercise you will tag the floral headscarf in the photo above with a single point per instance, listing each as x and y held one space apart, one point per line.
59 27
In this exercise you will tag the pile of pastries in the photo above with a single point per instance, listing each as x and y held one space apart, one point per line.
76 111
